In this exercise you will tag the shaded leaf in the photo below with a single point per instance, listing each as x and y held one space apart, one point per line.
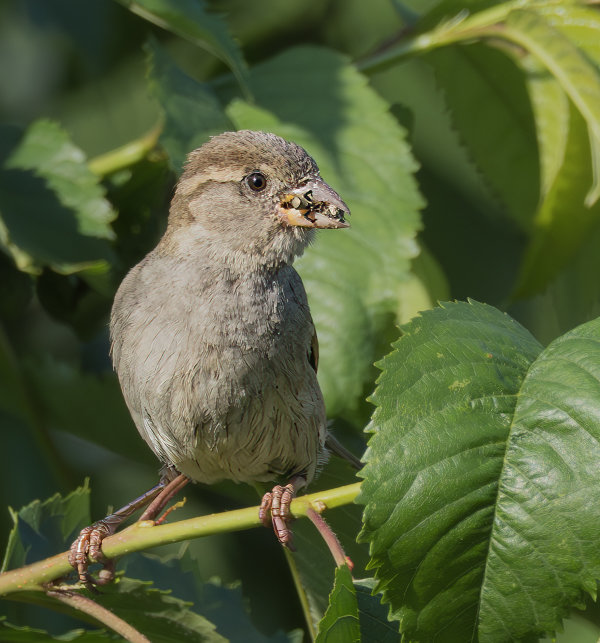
340 623
13 634
482 85
42 528
192 111
372 613
159 615
223 605
191 20
88 405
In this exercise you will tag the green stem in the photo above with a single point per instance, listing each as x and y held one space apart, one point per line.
463 27
302 595
99 613
144 535
125 156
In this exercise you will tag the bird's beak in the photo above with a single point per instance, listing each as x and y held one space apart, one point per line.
314 205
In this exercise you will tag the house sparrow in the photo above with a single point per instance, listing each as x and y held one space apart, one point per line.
212 337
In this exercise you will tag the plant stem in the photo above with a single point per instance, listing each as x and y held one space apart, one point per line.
328 535
126 155
144 535
101 614
462 27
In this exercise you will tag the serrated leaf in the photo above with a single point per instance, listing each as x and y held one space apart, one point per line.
192 20
14 634
543 548
350 276
223 605
375 627
481 476
562 221
192 111
41 528
52 209
483 86
444 405
340 623
576 74
162 617
159 615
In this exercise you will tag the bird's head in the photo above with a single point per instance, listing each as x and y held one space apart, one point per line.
254 198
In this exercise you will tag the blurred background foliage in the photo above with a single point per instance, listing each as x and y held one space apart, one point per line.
467 168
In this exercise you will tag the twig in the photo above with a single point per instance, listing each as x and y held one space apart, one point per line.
144 535
328 535
101 614
126 155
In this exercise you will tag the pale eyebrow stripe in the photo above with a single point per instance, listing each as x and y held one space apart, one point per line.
212 173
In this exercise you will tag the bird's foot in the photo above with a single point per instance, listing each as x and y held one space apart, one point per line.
275 508
88 545
87 548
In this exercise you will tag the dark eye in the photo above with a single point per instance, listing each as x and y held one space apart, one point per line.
256 181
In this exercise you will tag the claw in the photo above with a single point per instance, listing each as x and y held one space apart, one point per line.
275 508
88 548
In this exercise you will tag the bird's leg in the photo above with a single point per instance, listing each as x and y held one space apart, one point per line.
88 545
275 507
160 502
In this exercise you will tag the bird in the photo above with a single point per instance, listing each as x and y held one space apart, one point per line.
212 337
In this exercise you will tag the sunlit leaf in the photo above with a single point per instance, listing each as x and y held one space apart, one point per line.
579 78
481 476
340 622
52 209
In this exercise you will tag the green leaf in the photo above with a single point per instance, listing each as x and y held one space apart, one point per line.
52 209
13 634
543 549
478 80
159 615
192 111
577 75
42 528
191 20
563 221
340 623
88 405
351 277
374 624
223 605
481 476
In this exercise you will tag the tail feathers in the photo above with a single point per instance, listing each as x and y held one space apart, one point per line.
340 450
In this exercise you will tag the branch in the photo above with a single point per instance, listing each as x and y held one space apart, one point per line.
145 534
99 613
126 155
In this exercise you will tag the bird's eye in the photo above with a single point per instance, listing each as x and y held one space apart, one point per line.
256 181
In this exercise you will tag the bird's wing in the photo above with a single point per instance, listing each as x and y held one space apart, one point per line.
313 354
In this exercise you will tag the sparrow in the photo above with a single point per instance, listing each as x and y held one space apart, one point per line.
212 337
